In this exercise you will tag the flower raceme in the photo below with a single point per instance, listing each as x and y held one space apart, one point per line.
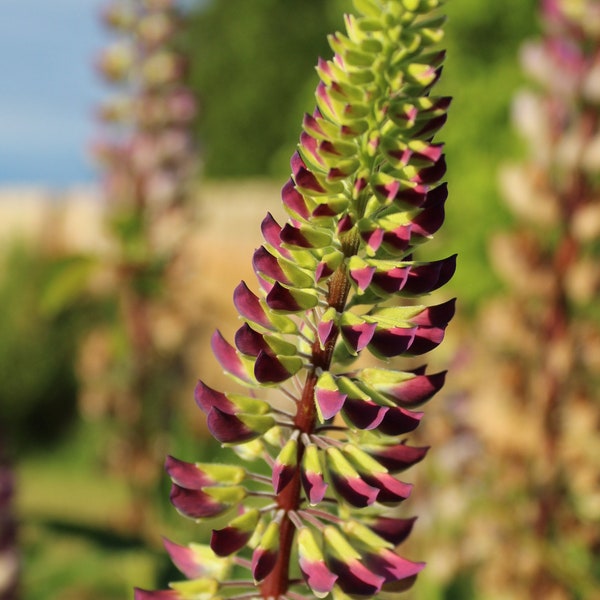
365 191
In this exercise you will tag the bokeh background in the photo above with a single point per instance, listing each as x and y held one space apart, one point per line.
114 277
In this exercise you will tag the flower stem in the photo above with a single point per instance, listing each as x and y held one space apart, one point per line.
277 582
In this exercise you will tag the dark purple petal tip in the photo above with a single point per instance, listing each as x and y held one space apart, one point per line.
227 428
228 540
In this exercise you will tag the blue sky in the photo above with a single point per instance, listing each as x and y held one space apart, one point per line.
48 90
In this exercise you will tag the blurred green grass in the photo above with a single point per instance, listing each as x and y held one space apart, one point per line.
71 515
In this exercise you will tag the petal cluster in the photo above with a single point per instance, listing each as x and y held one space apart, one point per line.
337 282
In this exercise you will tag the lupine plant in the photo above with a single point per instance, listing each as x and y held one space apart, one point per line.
545 333
337 282
149 166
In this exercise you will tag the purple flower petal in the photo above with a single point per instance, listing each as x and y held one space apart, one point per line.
294 200
387 191
236 535
324 69
206 398
428 277
391 281
318 577
310 146
415 391
391 490
249 342
285 466
393 567
432 174
268 369
282 475
426 339
281 298
324 330
431 218
324 100
398 421
293 236
392 342
311 124
271 230
399 457
228 540
266 264
325 209
398 239
323 270
263 562
354 578
330 402
436 316
430 127
373 238
362 276
430 154
314 486
227 356
359 335
311 475
364 414
187 475
411 197
431 323
184 559
304 178
354 490
345 224
228 428
393 530
195 503
248 305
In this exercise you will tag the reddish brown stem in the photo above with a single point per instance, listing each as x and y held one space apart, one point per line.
277 582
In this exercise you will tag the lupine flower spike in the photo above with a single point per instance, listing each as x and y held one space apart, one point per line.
337 281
